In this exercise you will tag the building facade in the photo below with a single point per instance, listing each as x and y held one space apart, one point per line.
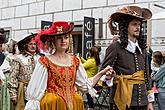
20 17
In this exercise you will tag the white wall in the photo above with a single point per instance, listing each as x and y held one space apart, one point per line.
24 16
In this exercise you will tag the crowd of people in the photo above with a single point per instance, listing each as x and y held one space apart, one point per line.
38 72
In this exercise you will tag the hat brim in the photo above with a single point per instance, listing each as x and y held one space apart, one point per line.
30 36
44 37
146 14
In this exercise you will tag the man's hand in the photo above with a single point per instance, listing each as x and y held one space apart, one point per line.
111 73
0 82
14 100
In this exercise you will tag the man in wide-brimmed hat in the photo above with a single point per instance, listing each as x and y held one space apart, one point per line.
127 56
22 69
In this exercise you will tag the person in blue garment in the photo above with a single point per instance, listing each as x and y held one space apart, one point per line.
159 77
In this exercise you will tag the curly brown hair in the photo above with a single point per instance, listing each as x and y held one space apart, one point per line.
123 32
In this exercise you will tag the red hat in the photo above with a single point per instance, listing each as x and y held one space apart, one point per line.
57 29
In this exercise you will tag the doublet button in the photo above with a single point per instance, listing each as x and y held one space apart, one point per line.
113 107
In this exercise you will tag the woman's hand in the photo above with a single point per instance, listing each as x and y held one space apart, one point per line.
97 77
105 70
110 74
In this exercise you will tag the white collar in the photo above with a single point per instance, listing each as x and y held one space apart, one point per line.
131 47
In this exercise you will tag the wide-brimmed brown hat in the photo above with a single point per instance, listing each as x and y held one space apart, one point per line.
132 11
57 29
135 11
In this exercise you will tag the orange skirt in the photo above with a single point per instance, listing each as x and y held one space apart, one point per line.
52 101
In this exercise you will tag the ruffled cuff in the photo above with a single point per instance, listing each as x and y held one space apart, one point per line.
109 82
150 96
32 105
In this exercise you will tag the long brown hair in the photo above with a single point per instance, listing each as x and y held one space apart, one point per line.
123 31
158 58
95 53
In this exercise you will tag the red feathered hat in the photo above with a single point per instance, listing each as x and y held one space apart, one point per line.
57 29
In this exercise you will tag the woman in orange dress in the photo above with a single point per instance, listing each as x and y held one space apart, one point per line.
57 76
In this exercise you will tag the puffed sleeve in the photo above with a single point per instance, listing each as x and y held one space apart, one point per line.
13 82
36 87
83 83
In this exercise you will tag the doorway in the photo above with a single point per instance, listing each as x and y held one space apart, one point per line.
77 39
77 43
